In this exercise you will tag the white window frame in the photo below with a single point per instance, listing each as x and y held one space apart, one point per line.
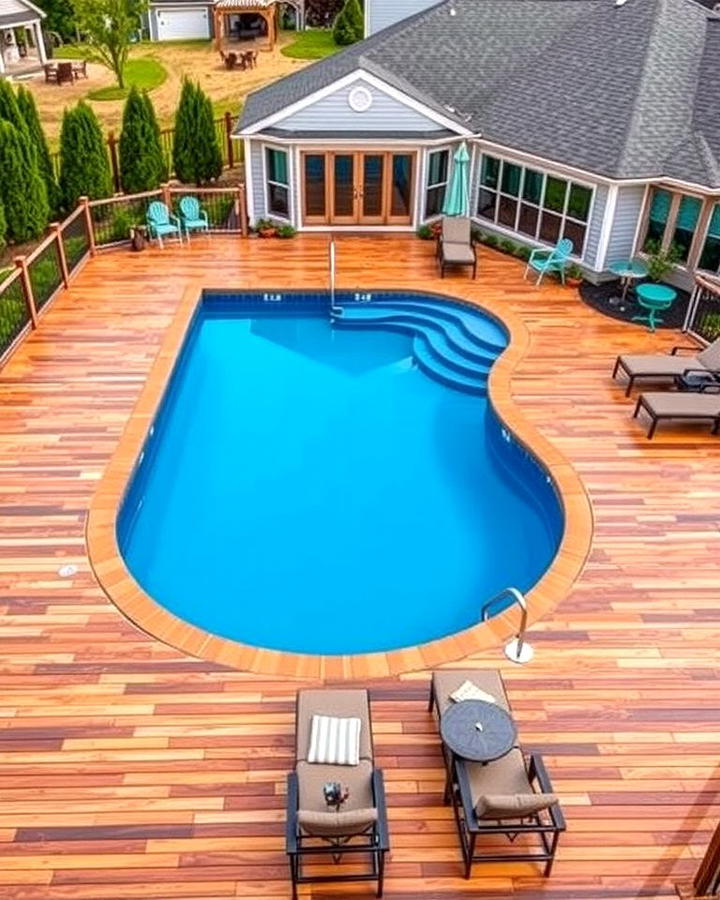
713 201
701 227
434 185
540 207
267 182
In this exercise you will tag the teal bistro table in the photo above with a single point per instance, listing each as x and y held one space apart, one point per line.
627 270
654 298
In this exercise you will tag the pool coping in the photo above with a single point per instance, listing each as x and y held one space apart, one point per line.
148 615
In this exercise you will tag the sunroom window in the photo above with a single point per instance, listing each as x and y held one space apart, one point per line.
685 225
278 183
710 255
657 219
437 179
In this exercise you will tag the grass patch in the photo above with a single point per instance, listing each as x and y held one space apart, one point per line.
145 73
316 43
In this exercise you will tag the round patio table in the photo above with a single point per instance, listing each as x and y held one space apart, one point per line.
477 731
627 270
654 298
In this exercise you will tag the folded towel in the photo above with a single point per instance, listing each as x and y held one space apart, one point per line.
334 741
470 691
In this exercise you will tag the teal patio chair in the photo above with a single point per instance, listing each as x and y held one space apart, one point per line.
544 261
161 222
192 216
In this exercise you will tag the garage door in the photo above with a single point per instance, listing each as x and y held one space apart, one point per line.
183 24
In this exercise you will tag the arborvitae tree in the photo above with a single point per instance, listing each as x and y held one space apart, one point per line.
22 191
349 26
10 112
28 110
157 146
84 162
141 162
3 227
196 154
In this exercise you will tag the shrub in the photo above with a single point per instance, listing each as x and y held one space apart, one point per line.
142 167
196 154
491 240
507 246
3 231
660 262
574 271
522 251
286 231
425 233
28 110
22 191
349 26
84 163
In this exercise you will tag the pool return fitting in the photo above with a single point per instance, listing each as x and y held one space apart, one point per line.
517 650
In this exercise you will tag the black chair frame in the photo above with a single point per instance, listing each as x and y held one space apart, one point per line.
373 843
547 825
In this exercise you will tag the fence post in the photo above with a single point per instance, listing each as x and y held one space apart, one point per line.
85 203
229 140
21 263
114 165
242 210
56 227
167 199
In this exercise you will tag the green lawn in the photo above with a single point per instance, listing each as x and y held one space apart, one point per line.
145 73
316 43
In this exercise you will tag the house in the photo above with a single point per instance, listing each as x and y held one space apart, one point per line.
173 20
22 49
585 118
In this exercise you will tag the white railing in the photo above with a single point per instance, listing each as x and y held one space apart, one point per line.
702 320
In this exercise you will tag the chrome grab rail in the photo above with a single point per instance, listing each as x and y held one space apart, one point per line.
518 650
334 310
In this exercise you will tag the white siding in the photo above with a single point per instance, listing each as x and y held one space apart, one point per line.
627 212
380 14
334 113
258 184
592 241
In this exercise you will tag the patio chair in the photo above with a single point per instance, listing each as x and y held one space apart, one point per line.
51 73
80 68
318 833
701 367
65 74
161 222
703 406
455 244
230 59
545 261
193 217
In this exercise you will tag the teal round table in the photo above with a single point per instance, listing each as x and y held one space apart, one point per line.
654 298
627 270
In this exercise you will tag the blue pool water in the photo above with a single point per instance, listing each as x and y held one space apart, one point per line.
312 488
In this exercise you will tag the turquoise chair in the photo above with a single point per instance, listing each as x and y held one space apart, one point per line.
193 218
544 261
159 221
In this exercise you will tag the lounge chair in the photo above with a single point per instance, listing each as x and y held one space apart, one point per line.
161 222
701 367
511 796
192 216
545 262
318 833
455 245
703 406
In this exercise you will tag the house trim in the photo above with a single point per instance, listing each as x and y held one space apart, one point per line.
607 227
264 147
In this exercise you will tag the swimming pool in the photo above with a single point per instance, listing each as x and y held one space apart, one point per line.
334 487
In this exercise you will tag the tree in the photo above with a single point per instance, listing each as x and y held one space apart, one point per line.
22 191
142 167
349 27
10 112
110 27
60 18
28 110
3 227
84 162
196 152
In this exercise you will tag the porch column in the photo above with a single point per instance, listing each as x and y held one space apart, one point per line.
39 42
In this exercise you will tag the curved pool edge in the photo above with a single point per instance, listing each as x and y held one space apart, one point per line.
149 616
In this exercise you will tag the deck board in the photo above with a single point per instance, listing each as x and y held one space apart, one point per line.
128 769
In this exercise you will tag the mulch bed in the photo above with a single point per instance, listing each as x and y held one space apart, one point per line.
598 297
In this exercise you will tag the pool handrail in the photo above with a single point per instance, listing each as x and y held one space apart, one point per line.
518 650
334 310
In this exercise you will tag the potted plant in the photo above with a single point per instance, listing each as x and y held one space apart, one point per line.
286 231
660 263
425 233
266 228
574 276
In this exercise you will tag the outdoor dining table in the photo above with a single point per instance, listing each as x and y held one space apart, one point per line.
477 731
627 270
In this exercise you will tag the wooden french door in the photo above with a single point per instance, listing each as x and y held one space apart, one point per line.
358 187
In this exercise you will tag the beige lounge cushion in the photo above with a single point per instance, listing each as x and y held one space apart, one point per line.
312 777
663 364
468 690
335 741
341 703
447 681
457 253
683 403
345 822
710 356
456 230
512 806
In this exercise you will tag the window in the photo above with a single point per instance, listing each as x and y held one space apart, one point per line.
672 221
685 224
710 255
437 179
657 220
278 184
533 203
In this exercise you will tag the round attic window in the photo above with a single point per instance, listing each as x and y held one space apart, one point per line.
360 99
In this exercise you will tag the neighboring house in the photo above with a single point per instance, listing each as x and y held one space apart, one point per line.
173 20
585 119
381 14
21 41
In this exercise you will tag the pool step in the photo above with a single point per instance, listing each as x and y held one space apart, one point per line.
441 371
476 326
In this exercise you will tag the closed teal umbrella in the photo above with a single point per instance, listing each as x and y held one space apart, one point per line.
457 194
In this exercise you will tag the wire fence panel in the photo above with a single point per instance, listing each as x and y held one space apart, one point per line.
220 206
14 312
705 319
76 241
113 220
45 273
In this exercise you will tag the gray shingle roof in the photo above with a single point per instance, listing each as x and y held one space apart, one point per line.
629 91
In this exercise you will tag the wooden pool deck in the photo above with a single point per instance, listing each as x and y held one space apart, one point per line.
128 769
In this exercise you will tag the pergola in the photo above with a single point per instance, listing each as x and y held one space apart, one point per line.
266 9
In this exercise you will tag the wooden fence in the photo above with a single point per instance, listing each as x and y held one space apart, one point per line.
96 224
231 150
